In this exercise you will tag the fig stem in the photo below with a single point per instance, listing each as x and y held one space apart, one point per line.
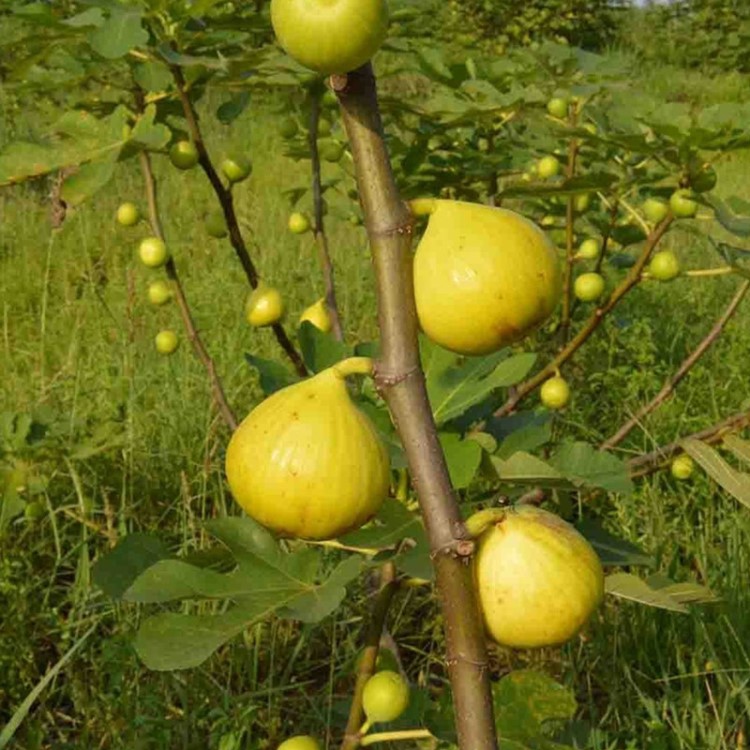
422 206
404 734
353 366
480 521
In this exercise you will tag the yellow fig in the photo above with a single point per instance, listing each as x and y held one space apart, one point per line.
264 307
484 277
306 462
538 580
318 315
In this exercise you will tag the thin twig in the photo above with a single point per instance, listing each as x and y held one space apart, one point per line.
319 232
650 462
401 381
632 278
570 214
224 195
684 368
369 655
182 304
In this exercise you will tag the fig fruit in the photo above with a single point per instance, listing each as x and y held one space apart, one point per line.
558 107
589 249
318 315
538 580
128 215
166 342
664 266
306 462
682 204
236 168
330 36
655 209
183 155
682 467
288 128
159 293
300 742
548 166
216 225
385 696
484 277
298 223
264 307
153 252
588 287
555 392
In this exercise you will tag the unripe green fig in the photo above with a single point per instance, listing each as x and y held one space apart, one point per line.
682 204
682 467
555 392
318 315
558 107
329 99
664 266
128 215
264 307
589 249
34 510
300 742
324 127
159 292
153 252
537 579
702 178
236 168
385 696
331 151
298 223
548 166
166 342
330 36
306 462
484 277
183 155
288 128
588 287
591 128
216 225
582 202
655 209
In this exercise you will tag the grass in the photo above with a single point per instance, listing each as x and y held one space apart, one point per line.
77 340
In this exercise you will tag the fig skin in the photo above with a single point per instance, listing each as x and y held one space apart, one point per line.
538 580
306 462
484 277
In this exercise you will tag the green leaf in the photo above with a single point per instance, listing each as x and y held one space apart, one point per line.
120 33
152 76
320 350
149 134
740 448
585 465
524 431
231 109
524 469
462 456
87 181
734 482
611 549
455 385
525 700
137 552
733 221
266 580
273 375
656 591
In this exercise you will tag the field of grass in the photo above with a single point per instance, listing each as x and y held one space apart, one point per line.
77 348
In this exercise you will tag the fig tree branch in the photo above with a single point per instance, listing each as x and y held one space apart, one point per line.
369 655
631 279
400 380
653 461
319 232
669 387
187 319
224 196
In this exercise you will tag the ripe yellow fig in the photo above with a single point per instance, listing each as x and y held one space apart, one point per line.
589 249
153 252
318 315
555 393
682 467
385 697
484 277
655 209
298 223
558 107
300 742
538 580
264 307
307 462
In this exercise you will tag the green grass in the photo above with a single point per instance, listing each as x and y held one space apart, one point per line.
77 339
